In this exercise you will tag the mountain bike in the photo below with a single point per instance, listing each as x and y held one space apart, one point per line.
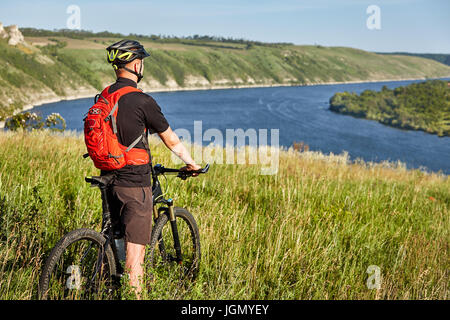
86 264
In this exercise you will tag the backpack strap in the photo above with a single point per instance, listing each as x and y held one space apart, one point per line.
102 95
110 116
124 91
147 147
134 143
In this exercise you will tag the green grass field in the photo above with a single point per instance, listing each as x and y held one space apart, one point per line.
309 232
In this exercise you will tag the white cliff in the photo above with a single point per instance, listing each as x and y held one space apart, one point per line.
12 33
15 36
3 33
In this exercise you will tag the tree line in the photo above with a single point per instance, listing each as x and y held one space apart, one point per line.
418 106
83 34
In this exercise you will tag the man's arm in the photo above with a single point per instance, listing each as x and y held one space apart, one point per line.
172 142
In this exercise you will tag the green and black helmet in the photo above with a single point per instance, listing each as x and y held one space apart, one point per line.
126 51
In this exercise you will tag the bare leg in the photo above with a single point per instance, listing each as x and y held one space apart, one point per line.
134 266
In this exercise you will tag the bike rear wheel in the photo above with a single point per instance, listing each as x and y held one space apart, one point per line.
162 255
80 267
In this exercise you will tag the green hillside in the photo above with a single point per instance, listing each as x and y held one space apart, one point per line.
55 65
440 57
418 106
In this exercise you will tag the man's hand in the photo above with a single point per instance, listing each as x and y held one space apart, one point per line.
172 142
191 167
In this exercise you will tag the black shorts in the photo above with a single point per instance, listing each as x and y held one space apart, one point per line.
131 212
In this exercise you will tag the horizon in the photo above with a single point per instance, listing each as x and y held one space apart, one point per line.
411 26
230 38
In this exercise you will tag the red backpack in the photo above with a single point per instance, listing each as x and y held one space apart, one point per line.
100 134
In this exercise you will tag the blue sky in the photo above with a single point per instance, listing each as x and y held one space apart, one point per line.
406 25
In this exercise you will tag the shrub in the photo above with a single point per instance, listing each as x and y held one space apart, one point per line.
32 121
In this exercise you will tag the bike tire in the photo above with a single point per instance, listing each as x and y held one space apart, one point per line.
63 278
161 253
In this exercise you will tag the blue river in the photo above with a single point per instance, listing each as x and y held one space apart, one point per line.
299 113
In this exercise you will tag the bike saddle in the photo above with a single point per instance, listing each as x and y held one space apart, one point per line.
101 181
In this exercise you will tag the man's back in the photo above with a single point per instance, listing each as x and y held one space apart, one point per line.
130 196
137 111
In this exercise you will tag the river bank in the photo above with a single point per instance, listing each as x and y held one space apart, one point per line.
301 114
86 93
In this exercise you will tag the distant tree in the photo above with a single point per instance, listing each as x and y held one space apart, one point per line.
32 121
424 106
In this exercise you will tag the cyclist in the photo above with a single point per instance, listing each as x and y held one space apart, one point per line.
130 194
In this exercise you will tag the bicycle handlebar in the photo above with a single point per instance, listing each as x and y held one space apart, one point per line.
182 174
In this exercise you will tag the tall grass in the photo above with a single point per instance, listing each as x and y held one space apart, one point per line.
308 232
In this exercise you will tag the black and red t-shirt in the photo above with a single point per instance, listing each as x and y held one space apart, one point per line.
137 111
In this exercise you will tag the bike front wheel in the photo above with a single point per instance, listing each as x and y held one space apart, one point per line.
80 267
162 256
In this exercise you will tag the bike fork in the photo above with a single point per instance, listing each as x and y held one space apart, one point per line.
176 239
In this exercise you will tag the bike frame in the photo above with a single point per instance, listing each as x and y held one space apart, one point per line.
158 199
107 230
